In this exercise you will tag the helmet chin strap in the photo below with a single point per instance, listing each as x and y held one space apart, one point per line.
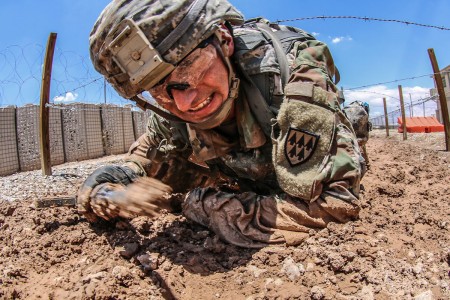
233 82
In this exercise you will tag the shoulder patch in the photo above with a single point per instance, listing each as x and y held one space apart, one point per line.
299 146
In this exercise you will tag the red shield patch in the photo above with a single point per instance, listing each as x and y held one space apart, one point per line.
299 146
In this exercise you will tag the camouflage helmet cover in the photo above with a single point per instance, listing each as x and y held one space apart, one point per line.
157 20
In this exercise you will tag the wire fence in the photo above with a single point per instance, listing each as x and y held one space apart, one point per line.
421 108
88 119
73 78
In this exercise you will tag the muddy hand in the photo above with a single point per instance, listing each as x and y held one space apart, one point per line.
145 197
118 176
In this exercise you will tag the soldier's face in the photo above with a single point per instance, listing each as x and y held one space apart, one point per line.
196 88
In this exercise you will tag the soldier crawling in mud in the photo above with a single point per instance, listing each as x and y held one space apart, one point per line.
247 124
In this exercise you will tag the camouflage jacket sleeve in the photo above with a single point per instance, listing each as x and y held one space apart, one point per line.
161 153
311 61
334 165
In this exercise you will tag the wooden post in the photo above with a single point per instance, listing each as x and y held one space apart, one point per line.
442 99
386 117
44 110
402 107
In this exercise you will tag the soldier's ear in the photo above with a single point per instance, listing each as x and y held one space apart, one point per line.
226 38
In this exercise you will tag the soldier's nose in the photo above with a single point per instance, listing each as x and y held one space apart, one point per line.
184 98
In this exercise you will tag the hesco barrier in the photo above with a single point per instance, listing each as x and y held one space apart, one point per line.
77 132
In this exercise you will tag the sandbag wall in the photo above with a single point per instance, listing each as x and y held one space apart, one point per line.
77 132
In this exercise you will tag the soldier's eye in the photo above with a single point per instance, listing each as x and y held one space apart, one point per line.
176 86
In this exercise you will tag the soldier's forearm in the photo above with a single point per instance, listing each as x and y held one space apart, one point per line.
251 220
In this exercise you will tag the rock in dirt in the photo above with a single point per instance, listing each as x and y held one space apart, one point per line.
122 275
367 293
336 261
149 261
128 250
94 277
418 268
256 271
317 293
390 190
428 295
291 269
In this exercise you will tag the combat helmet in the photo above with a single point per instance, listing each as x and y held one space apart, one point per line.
136 43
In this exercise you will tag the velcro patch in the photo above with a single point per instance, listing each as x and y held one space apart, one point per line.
299 146
300 164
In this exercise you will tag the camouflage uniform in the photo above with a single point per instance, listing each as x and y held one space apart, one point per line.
288 162
240 156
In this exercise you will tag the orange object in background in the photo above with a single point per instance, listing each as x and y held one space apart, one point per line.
420 124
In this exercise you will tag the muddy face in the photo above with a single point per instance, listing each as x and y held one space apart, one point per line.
197 88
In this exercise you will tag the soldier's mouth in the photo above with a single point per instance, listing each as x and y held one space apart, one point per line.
203 104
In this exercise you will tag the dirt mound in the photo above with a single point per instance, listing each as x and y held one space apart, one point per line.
399 249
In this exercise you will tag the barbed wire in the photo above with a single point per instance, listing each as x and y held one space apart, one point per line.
364 19
73 77
393 81
20 69
79 87
372 92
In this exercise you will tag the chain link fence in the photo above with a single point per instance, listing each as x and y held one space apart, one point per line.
416 109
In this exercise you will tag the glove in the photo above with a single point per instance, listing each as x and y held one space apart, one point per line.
145 197
114 191
118 175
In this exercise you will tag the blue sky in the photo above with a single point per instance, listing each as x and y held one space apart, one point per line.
366 52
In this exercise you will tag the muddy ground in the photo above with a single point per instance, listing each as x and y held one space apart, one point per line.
399 249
